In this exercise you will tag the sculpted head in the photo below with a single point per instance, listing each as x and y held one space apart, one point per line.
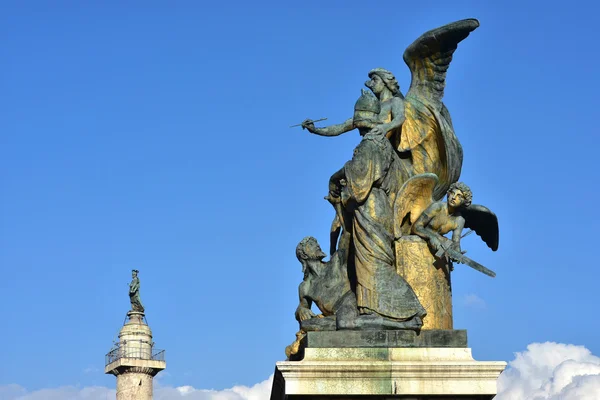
134 273
459 195
381 79
309 250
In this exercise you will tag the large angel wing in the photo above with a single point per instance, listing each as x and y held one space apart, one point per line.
483 222
429 57
411 200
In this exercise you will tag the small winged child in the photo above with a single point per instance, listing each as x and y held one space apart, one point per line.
440 218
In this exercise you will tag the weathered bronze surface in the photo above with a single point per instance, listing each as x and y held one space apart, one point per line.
134 292
418 125
391 268
399 338
327 285
453 216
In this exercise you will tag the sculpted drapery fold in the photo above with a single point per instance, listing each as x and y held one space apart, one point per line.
372 182
408 159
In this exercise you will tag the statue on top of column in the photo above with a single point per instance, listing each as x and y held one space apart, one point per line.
134 292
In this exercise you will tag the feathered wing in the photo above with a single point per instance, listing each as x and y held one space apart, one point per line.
415 195
427 131
484 222
429 57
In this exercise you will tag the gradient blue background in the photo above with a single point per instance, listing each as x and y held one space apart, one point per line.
155 135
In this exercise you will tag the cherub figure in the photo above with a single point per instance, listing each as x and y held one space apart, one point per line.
417 212
440 218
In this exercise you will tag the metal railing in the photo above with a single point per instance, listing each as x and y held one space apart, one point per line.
158 355
135 350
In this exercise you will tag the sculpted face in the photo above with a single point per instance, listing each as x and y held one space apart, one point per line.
314 251
375 84
456 198
133 274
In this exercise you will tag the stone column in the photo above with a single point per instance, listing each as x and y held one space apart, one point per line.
132 360
135 383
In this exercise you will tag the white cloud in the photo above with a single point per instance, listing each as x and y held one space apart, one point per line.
545 371
474 301
260 391
551 371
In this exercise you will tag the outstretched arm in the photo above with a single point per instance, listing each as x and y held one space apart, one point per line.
422 229
332 130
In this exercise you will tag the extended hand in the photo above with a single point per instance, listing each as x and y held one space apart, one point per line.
435 243
378 130
333 198
305 313
309 125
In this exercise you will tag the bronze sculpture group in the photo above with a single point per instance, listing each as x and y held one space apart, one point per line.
388 201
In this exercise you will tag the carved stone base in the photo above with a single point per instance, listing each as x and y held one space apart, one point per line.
430 279
386 339
136 316
377 373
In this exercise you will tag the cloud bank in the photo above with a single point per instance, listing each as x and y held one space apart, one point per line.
551 371
259 391
545 371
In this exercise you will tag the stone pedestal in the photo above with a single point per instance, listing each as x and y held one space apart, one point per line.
430 279
380 373
134 361
386 339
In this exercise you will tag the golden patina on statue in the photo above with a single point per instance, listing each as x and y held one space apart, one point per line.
390 263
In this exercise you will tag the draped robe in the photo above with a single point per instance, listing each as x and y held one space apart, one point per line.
373 178
426 142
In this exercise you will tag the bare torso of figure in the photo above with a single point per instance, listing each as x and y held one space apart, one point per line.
386 113
325 291
443 222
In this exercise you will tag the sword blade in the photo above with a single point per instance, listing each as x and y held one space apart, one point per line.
466 234
460 258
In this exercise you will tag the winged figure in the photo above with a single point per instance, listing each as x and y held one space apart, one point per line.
418 125
412 199
432 221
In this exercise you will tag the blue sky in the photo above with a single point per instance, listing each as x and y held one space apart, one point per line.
155 135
